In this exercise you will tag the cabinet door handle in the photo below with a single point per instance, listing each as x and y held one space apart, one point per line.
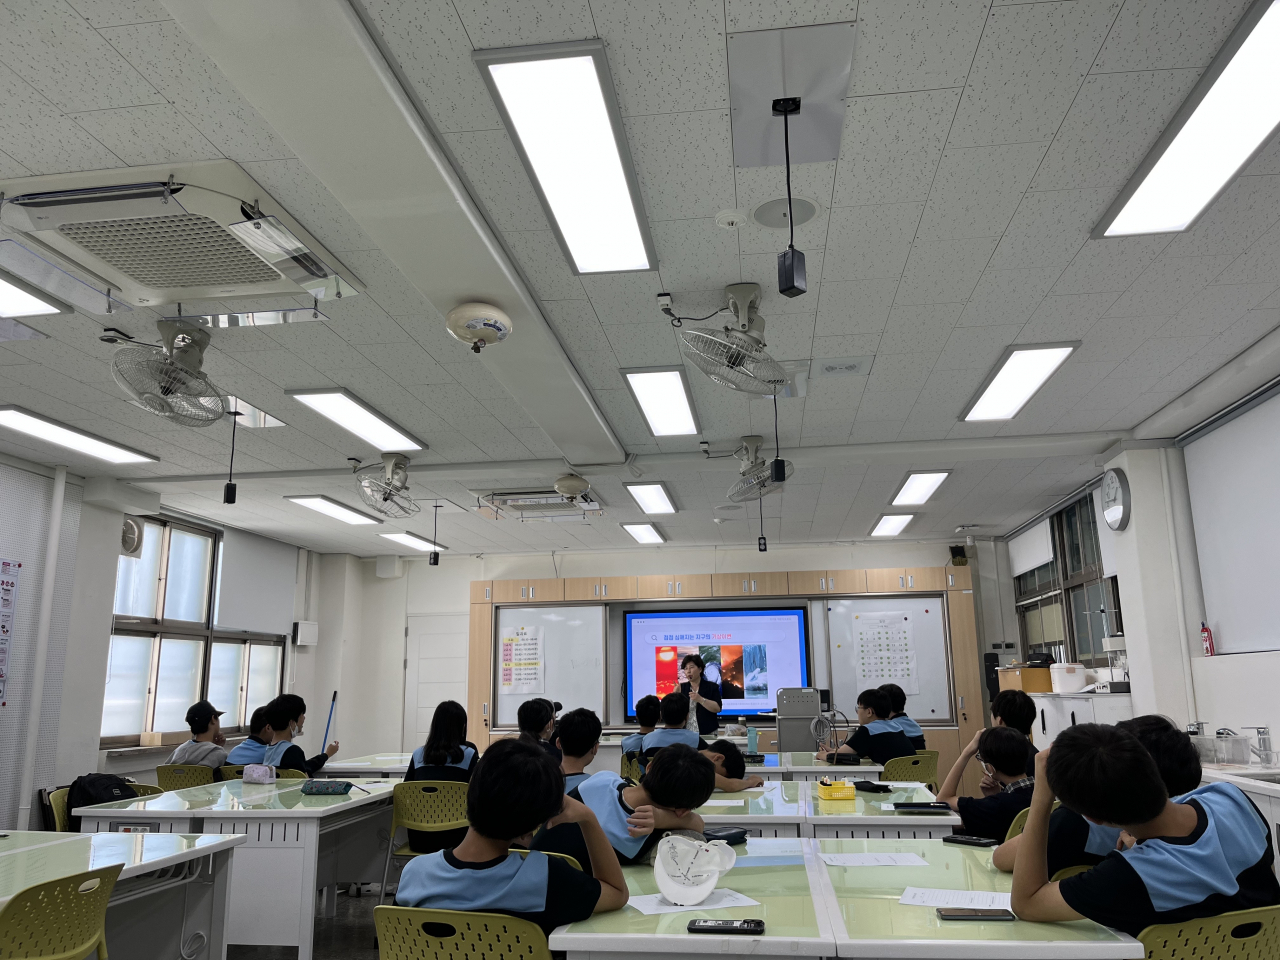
597 589
678 584
668 588
1073 718
606 589
524 592
901 582
753 586
911 581
744 586
951 579
822 584
486 593
531 593
1043 729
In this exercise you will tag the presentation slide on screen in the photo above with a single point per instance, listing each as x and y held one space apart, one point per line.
751 654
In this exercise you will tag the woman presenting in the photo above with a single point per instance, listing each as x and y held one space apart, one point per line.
705 699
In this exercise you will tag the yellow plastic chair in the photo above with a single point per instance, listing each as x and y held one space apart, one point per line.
1238 935
146 789
64 919
631 768
428 805
61 816
1069 872
572 861
284 773
410 933
232 771
1020 822
923 769
179 776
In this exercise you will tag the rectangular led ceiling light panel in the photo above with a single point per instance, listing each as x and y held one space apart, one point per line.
919 487
643 532
558 103
651 497
1020 372
662 394
1229 116
414 541
332 508
20 299
251 416
892 524
33 425
352 414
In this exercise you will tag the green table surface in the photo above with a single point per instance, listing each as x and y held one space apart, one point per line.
795 922
237 796
806 759
868 908
373 760
867 805
16 841
779 799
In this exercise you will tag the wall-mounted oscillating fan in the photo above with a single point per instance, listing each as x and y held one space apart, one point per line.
735 356
384 486
757 480
168 380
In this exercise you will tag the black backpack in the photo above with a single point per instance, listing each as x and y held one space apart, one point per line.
96 788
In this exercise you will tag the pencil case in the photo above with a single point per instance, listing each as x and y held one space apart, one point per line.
326 788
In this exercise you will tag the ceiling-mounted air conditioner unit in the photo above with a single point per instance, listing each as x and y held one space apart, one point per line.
568 500
171 232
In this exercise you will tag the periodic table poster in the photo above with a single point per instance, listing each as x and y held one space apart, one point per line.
10 571
884 650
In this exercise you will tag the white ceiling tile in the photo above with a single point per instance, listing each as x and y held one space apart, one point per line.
915 329
667 56
854 306
855 345
475 378
624 416
284 369
881 405
1110 127
1109 265
1049 228
1112 340
361 320
757 185
115 13
901 371
684 162
762 268
629 298
1158 357
1259 263
1244 212
976 346
891 145
643 344
407 363
977 190
1215 308
1165 287
915 44
155 133
876 431
40 138
790 337
518 22
1166 34
870 241
835 393
769 15
189 80
11 168
542 261
296 188
1066 317
696 255
944 271
1267 161
1027 70
1244 333
1007 296
385 284
493 168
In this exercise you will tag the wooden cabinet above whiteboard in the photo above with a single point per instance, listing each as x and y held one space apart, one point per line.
673 586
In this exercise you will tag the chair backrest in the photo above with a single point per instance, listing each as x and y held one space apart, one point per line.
179 776
284 773
429 805
1238 935
146 789
62 919
232 771
1019 824
61 817
631 768
1069 872
910 768
411 933
572 861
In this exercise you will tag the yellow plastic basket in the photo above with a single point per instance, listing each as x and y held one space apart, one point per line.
836 791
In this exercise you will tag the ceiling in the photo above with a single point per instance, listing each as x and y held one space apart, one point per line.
981 143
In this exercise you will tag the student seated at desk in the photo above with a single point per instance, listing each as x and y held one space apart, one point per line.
648 713
516 788
578 737
252 748
877 737
1075 841
635 816
207 746
287 714
898 716
1204 854
447 755
675 714
1013 708
731 768
537 721
1006 789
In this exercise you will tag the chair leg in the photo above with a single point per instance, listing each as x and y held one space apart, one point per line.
102 948
386 867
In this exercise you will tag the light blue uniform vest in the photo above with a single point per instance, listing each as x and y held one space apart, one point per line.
666 736
601 793
516 885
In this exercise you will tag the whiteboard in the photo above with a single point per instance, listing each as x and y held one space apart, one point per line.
922 626
572 659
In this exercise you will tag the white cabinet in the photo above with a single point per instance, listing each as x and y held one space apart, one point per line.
1057 711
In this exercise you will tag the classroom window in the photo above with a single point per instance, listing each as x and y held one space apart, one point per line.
264 675
186 595
138 578
124 709
226 677
177 681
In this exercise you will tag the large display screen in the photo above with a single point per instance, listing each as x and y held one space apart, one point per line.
751 654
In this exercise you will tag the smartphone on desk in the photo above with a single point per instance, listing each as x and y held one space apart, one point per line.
934 806
751 928
974 913
968 841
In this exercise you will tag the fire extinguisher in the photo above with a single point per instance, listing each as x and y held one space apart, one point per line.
1206 637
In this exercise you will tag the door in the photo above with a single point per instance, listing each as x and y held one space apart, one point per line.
435 670
543 591
886 580
479 673
1076 710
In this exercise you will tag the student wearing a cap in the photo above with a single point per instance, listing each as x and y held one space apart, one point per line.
207 745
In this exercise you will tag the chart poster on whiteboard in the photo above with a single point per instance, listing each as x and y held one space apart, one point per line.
885 651
10 575
522 664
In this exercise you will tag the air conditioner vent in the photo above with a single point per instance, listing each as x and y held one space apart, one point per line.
186 250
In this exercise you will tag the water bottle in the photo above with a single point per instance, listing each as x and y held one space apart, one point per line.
753 738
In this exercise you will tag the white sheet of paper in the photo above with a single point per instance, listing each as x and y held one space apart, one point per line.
773 847
874 860
654 903
724 803
976 899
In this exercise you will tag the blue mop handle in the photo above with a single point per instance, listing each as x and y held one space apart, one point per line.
332 703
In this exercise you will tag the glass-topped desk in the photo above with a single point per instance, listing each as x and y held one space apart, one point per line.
374 765
776 809
865 817
869 921
807 766
171 885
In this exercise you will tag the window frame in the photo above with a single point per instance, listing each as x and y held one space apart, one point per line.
157 628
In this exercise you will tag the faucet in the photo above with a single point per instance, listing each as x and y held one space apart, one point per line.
1263 750
1196 728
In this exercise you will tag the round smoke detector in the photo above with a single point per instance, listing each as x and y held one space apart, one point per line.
478 324
773 213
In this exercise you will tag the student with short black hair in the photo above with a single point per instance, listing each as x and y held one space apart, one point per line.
578 738
648 713
536 719
1075 841
675 713
252 748
635 816
207 746
876 737
1207 853
1002 751
516 788
731 767
287 715
898 716
1013 708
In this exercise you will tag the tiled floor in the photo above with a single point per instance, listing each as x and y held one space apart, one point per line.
348 936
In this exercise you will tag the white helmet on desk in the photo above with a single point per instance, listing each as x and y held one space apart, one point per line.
688 870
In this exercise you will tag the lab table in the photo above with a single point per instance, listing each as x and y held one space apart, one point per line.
863 817
776 809
374 765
